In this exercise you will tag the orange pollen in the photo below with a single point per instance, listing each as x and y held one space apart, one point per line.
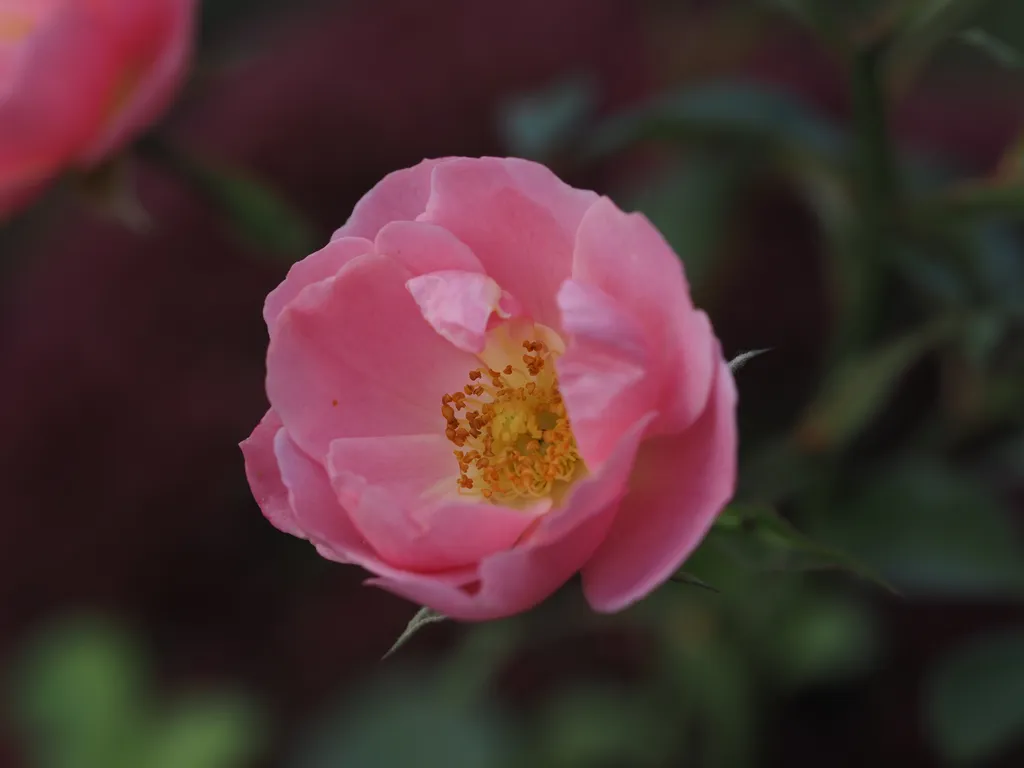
515 440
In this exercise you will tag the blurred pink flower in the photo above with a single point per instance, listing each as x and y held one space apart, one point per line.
487 382
79 79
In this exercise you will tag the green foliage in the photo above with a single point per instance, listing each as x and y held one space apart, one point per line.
406 720
540 125
856 391
759 538
722 114
83 699
598 727
255 214
81 695
974 698
999 51
930 531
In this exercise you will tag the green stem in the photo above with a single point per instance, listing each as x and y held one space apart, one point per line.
259 217
877 200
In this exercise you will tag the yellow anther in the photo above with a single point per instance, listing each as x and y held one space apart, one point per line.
520 441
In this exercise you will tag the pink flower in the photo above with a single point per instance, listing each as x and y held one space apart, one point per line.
487 382
79 79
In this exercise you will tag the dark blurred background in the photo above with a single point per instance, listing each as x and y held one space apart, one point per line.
845 184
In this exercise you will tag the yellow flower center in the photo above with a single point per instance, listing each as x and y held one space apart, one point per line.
510 430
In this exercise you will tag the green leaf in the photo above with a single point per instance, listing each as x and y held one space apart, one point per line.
255 214
209 731
682 577
821 637
1004 54
539 125
926 26
975 698
723 114
858 389
596 726
758 537
423 617
81 697
931 531
407 721
980 199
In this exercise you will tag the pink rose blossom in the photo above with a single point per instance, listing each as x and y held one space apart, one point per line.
487 382
79 79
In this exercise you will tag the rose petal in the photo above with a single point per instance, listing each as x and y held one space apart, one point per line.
603 374
265 476
422 247
517 579
408 529
352 356
326 523
314 504
680 484
518 218
399 196
459 305
627 258
412 466
52 100
316 267
153 41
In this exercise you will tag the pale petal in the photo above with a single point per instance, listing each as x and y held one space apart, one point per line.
423 247
399 196
352 356
679 485
318 266
265 476
459 305
519 578
518 218
627 258
603 374
425 534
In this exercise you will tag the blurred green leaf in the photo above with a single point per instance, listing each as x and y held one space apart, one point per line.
820 17
724 114
930 530
539 125
207 731
821 637
858 389
975 698
257 215
1004 54
592 727
927 24
80 696
709 686
682 577
993 252
406 721
759 538
423 617
980 199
